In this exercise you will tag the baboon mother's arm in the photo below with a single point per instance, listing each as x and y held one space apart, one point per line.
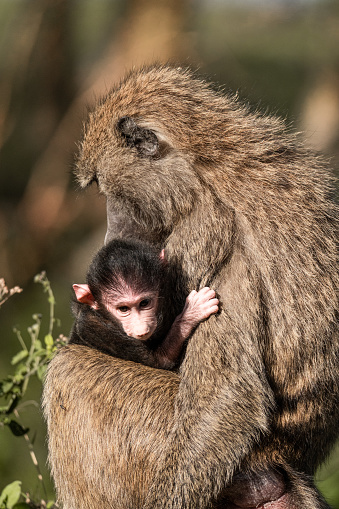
111 423
108 424
224 402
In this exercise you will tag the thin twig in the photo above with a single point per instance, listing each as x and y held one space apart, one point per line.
34 460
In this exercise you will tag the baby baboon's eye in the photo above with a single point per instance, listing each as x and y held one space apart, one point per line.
145 303
123 309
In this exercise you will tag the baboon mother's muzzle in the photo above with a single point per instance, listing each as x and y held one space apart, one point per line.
122 224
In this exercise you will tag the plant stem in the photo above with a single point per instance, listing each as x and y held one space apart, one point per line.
21 341
34 459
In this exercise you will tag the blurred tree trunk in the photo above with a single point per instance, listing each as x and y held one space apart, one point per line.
154 30
320 112
39 84
151 31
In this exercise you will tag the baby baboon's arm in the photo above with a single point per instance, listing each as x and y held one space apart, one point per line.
198 306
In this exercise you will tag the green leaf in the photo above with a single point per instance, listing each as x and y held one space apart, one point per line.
11 494
17 429
41 371
19 356
20 374
49 341
6 386
22 505
38 345
40 353
17 390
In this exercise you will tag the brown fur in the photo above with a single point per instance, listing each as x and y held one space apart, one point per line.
240 204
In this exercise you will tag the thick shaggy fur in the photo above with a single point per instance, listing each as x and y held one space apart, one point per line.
242 207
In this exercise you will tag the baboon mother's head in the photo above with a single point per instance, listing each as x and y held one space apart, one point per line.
150 145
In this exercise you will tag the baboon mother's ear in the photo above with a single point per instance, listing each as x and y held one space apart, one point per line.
144 140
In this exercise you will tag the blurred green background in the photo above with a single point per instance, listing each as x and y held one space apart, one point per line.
56 58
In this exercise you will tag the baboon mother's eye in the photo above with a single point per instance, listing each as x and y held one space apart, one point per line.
144 140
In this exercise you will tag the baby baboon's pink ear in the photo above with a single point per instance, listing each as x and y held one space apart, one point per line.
163 256
84 295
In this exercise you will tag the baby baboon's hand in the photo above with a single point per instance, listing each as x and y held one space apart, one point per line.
200 305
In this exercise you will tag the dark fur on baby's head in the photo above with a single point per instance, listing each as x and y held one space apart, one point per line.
125 264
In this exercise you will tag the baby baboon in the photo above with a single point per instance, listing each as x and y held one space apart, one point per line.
120 310
241 206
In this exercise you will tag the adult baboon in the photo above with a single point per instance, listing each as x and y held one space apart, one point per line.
240 206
